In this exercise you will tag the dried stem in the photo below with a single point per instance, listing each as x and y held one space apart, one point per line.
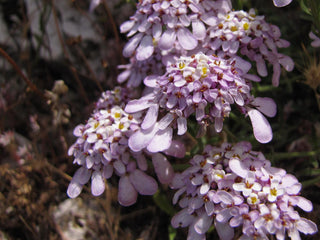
30 84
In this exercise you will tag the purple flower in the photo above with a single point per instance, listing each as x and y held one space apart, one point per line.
102 150
160 31
241 32
235 187
205 86
315 40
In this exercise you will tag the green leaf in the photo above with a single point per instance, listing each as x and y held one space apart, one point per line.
304 7
172 232
163 203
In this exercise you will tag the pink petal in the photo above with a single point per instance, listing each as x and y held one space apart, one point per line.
202 223
182 219
261 127
131 46
82 175
167 39
145 49
143 183
127 195
161 141
151 81
265 105
140 139
287 63
126 26
151 117
306 226
186 39
74 189
304 204
177 149
261 66
225 197
97 183
162 168
281 3
225 232
137 105
199 30
182 125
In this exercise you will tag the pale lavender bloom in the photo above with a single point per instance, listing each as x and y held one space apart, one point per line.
160 31
248 34
205 86
315 40
281 3
232 186
102 151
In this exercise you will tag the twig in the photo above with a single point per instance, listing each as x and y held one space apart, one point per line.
30 84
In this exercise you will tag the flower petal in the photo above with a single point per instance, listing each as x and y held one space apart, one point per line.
281 3
131 46
145 49
167 39
151 117
265 105
97 183
261 127
162 168
186 39
127 195
143 183
161 141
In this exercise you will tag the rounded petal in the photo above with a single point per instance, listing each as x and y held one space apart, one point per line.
186 39
224 230
97 183
182 219
161 141
281 3
199 30
167 39
202 223
82 175
143 183
162 168
131 46
74 189
140 139
306 226
177 149
127 195
145 49
261 128
151 117
265 105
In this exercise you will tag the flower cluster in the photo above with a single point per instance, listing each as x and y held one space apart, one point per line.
194 60
253 37
102 150
235 187
203 85
160 31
